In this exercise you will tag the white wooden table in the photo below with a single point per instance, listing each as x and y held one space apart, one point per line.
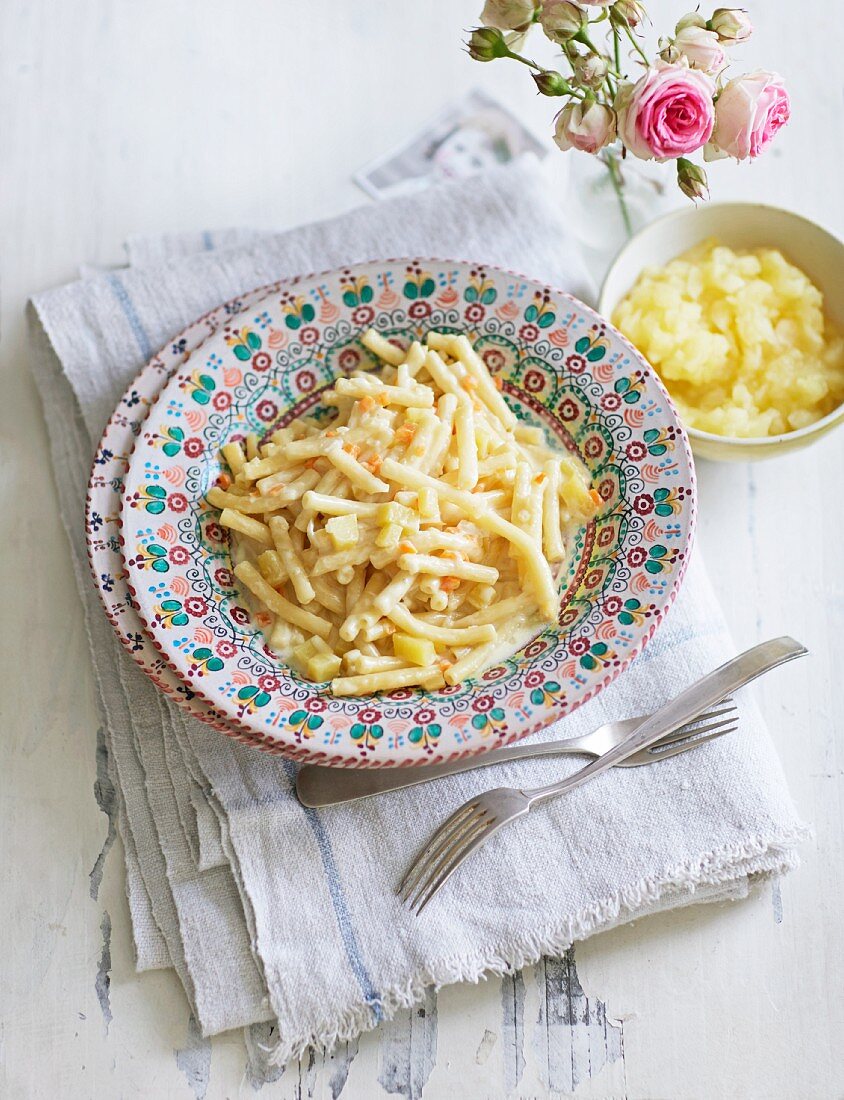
119 118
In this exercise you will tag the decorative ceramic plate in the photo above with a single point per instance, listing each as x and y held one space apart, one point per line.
562 367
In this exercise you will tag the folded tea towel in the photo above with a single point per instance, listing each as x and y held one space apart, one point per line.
272 912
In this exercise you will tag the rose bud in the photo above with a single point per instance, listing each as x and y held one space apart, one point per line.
627 13
691 179
508 15
486 43
693 19
551 83
701 49
731 25
590 70
587 126
562 20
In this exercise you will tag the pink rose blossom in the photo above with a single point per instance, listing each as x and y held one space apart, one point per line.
587 127
667 113
748 112
701 49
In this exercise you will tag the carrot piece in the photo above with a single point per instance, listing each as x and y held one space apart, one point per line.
539 479
406 432
373 463
352 449
497 382
382 399
224 480
597 499
263 619
366 404
448 584
468 382
406 548
330 433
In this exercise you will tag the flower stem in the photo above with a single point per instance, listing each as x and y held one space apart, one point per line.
614 168
636 45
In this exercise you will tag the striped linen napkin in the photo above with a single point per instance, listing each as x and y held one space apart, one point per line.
272 912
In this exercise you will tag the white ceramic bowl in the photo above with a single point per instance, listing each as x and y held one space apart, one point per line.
739 225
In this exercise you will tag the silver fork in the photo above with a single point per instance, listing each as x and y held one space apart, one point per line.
318 785
478 819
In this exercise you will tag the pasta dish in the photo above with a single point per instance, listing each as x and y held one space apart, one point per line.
414 539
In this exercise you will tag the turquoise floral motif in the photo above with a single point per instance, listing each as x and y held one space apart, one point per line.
418 283
244 342
659 558
599 655
297 311
659 440
152 556
480 288
545 693
301 723
629 390
633 614
356 291
200 387
592 347
170 439
171 613
489 721
366 735
667 501
251 698
541 311
152 498
425 737
203 661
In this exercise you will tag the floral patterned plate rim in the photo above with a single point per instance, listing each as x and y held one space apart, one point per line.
102 506
562 366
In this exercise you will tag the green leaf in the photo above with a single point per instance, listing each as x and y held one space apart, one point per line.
410 290
350 298
308 313
155 507
428 287
171 449
297 717
497 713
200 397
160 565
653 566
215 664
658 450
552 687
625 618
631 398
156 491
588 662
651 434
292 321
537 696
314 722
415 735
357 731
377 732
176 433
261 699
489 296
435 729
247 693
202 653
548 319
156 550
599 649
622 385
661 494
170 605
470 294
479 721
632 604
664 510
180 620
207 382
253 340
241 352
531 313
658 551
581 345
596 353
366 294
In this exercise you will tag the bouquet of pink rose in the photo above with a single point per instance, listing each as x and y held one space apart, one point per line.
678 105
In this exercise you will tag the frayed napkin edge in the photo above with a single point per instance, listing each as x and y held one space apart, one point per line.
758 859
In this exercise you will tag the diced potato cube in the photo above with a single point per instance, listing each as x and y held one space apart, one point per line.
417 651
388 537
393 512
269 564
343 531
323 666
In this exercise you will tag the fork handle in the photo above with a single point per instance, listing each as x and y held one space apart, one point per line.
726 679
317 785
